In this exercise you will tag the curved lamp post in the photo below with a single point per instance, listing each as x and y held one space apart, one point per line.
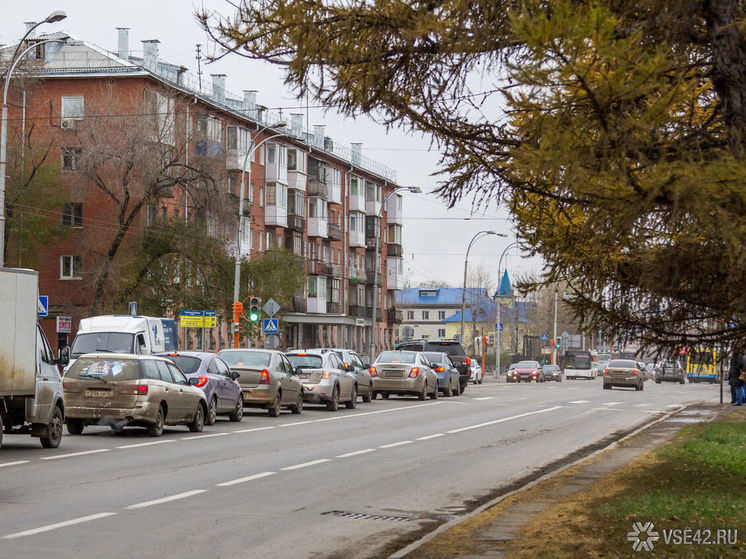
498 337
51 18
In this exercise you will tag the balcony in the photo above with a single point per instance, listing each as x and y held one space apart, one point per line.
317 188
317 227
357 238
296 223
373 207
315 267
300 304
333 308
335 232
357 311
235 159
394 209
394 316
357 203
334 270
370 243
357 275
275 215
394 249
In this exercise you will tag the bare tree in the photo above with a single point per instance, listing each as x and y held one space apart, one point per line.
480 286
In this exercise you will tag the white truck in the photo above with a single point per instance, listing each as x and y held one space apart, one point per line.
140 335
31 399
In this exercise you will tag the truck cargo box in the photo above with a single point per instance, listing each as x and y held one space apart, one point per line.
19 299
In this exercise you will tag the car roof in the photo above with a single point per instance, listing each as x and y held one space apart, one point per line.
199 354
108 355
235 349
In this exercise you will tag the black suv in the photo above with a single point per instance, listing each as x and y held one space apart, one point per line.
453 348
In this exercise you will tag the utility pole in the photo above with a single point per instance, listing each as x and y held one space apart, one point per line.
554 349
199 66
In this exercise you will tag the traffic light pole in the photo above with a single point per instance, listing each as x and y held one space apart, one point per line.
554 339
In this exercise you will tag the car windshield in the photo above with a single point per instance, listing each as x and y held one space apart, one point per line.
95 342
397 357
246 358
434 357
622 364
186 363
603 357
305 361
451 348
104 369
527 365
577 362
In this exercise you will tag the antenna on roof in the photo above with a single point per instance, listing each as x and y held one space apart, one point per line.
199 66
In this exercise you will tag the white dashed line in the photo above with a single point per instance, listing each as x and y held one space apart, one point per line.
611 403
428 437
138 445
496 421
245 479
204 436
356 453
64 524
484 398
167 499
16 463
307 464
291 424
392 445
73 454
579 402
254 429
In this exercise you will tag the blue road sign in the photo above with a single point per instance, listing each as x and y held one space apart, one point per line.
133 308
499 326
271 326
43 305
545 337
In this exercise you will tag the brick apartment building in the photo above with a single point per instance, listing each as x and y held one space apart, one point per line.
308 194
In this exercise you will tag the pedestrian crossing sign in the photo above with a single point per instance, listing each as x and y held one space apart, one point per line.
271 326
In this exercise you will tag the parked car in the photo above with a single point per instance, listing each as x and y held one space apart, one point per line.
529 371
476 375
217 381
511 375
623 372
123 390
325 379
447 373
267 379
552 372
354 364
670 371
404 373
453 348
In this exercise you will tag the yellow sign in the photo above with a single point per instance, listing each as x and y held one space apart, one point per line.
211 322
192 321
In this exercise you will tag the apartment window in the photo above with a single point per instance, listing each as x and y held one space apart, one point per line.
410 315
210 128
72 107
353 222
425 315
71 267
334 290
149 215
71 159
370 193
261 155
393 233
353 186
72 215
163 213
313 286
441 315
298 244
339 256
271 150
293 160
326 253
441 332
237 138
261 196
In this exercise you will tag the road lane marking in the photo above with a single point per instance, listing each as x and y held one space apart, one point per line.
254 429
296 423
204 436
579 402
428 437
50 527
611 403
459 403
484 398
496 421
138 445
392 445
167 499
356 453
245 479
307 464
16 463
72 454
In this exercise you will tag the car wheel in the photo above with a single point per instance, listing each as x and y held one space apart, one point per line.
117 427
53 433
447 392
369 396
479 381
457 389
681 381
333 404
198 423
373 395
212 411
352 402
297 408
237 414
385 395
422 395
156 429
434 394
607 386
274 409
75 426
642 387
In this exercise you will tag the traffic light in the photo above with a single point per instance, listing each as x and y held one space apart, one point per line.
254 303
558 341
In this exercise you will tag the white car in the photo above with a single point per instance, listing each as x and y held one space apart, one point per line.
476 372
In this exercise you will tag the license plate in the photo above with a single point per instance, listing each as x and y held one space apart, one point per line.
98 393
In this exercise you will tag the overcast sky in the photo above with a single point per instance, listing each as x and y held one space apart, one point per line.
435 239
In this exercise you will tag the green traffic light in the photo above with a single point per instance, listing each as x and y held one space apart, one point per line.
254 316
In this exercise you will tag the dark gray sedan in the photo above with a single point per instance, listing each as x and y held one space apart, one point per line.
552 372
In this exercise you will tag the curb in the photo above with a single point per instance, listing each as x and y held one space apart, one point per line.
480 509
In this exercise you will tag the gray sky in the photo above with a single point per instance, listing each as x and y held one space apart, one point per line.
435 239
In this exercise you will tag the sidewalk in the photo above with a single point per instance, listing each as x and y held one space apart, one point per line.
494 529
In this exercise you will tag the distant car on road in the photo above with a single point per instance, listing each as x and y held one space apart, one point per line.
529 371
477 375
511 375
552 372
354 365
448 376
670 371
453 348
404 373
623 372
325 379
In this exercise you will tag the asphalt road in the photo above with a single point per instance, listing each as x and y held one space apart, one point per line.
322 484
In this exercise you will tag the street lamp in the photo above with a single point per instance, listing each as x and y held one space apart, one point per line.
498 337
466 264
237 272
373 328
51 18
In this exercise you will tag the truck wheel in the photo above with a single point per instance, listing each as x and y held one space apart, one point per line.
53 433
75 426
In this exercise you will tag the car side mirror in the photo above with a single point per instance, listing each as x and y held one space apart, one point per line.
346 367
193 381
235 375
296 371
366 365
64 356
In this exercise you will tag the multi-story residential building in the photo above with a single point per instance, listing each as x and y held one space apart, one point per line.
306 193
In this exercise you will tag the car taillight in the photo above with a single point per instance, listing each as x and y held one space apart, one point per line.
326 374
606 371
264 379
439 369
68 385
413 372
201 381
636 371
142 389
373 372
467 361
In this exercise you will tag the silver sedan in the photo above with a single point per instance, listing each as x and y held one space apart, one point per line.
325 379
403 373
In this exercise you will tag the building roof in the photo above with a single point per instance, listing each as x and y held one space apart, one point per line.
488 312
438 296
505 289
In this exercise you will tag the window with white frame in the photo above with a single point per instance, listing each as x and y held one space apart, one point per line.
268 241
210 128
298 244
410 315
441 315
441 332
261 196
71 159
425 315
72 107
237 138
271 153
313 285
354 185
71 267
334 293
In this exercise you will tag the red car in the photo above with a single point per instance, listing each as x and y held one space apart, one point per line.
528 371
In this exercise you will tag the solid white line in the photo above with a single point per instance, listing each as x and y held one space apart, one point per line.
296 423
435 436
579 402
356 453
391 445
16 463
611 403
204 436
502 420
72 454
254 429
306 464
245 479
484 398
50 527
167 499
138 445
